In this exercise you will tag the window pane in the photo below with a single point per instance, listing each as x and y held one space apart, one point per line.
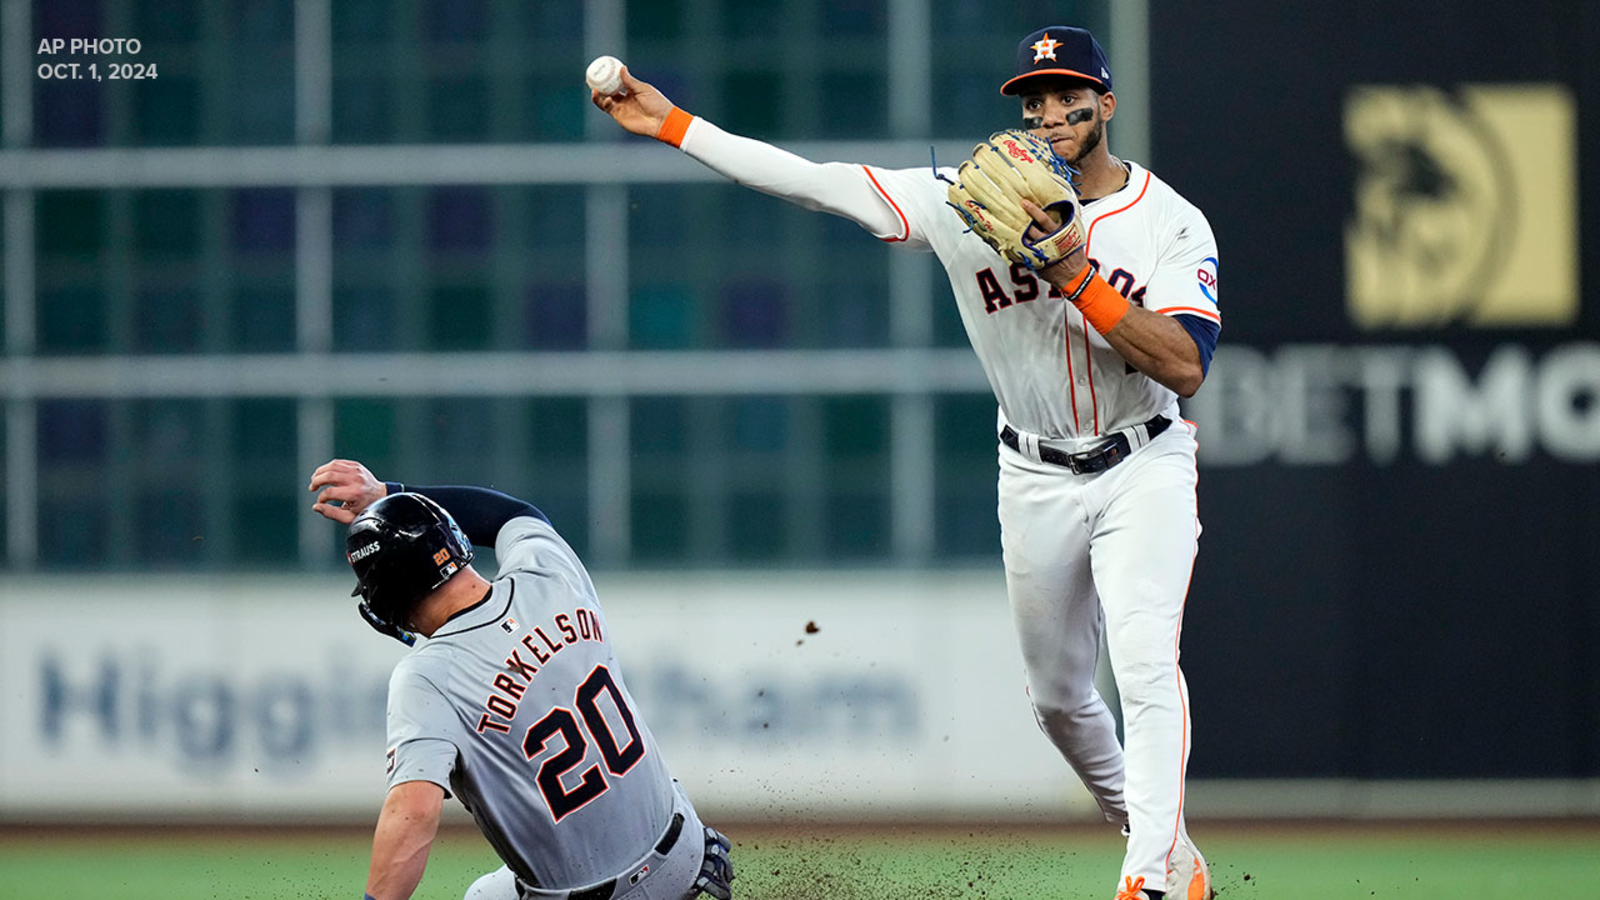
757 527
75 483
660 495
68 113
364 429
267 490
967 522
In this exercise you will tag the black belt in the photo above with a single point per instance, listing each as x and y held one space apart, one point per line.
605 889
1115 449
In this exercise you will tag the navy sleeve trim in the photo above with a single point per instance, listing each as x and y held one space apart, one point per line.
480 512
1205 332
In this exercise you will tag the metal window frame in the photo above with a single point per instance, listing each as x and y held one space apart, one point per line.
909 372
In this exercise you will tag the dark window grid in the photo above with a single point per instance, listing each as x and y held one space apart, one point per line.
408 80
365 429
120 262
4 452
966 525
704 477
211 63
124 281
219 486
1012 21
71 318
216 276
837 263
457 436
659 526
73 519
758 532
533 95
410 270
804 480
858 526
415 450
556 429
229 71
834 54
862 475
660 21
264 433
124 483
363 21
517 262
63 270
965 473
175 21
256 23
266 534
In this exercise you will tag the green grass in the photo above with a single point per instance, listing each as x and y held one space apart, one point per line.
1249 863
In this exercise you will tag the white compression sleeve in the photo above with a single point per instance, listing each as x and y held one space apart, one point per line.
839 188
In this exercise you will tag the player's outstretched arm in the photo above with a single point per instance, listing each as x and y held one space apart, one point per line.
406 829
843 189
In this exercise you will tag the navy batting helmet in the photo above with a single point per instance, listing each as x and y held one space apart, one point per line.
402 547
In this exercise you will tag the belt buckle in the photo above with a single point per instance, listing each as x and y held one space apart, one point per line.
1101 458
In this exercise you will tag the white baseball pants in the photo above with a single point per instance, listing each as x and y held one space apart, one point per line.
1110 550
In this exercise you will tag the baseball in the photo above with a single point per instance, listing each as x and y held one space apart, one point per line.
604 74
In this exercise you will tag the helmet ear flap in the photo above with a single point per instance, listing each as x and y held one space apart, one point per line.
385 627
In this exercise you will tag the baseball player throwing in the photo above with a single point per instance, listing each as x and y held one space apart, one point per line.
515 704
1089 328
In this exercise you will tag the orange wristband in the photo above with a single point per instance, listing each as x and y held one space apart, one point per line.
675 127
1099 302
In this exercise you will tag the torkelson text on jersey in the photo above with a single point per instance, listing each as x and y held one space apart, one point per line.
581 625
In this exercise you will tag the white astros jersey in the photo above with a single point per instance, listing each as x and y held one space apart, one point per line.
517 706
1053 374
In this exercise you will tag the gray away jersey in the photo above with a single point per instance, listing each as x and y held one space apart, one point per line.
518 707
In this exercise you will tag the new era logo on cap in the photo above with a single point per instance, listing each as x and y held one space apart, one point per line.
1064 51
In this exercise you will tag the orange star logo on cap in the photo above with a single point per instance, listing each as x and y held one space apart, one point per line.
1045 48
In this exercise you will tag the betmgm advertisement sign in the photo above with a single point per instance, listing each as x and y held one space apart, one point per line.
1461 264
1465 206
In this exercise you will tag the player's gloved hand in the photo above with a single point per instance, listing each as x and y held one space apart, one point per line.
1004 170
716 870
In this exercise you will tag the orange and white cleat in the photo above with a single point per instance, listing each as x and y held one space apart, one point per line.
1188 876
1132 889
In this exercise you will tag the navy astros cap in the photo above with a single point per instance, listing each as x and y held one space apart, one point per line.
1060 50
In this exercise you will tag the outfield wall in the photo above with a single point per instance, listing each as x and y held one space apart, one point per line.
262 699
203 697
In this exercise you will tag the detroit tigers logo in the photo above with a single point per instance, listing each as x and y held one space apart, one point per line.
1045 48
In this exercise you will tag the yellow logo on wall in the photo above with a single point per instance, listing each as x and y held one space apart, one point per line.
1465 206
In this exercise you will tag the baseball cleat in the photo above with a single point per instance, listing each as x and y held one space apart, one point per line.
1132 889
1188 876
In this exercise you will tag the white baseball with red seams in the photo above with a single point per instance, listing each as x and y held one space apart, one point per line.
1083 552
604 74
